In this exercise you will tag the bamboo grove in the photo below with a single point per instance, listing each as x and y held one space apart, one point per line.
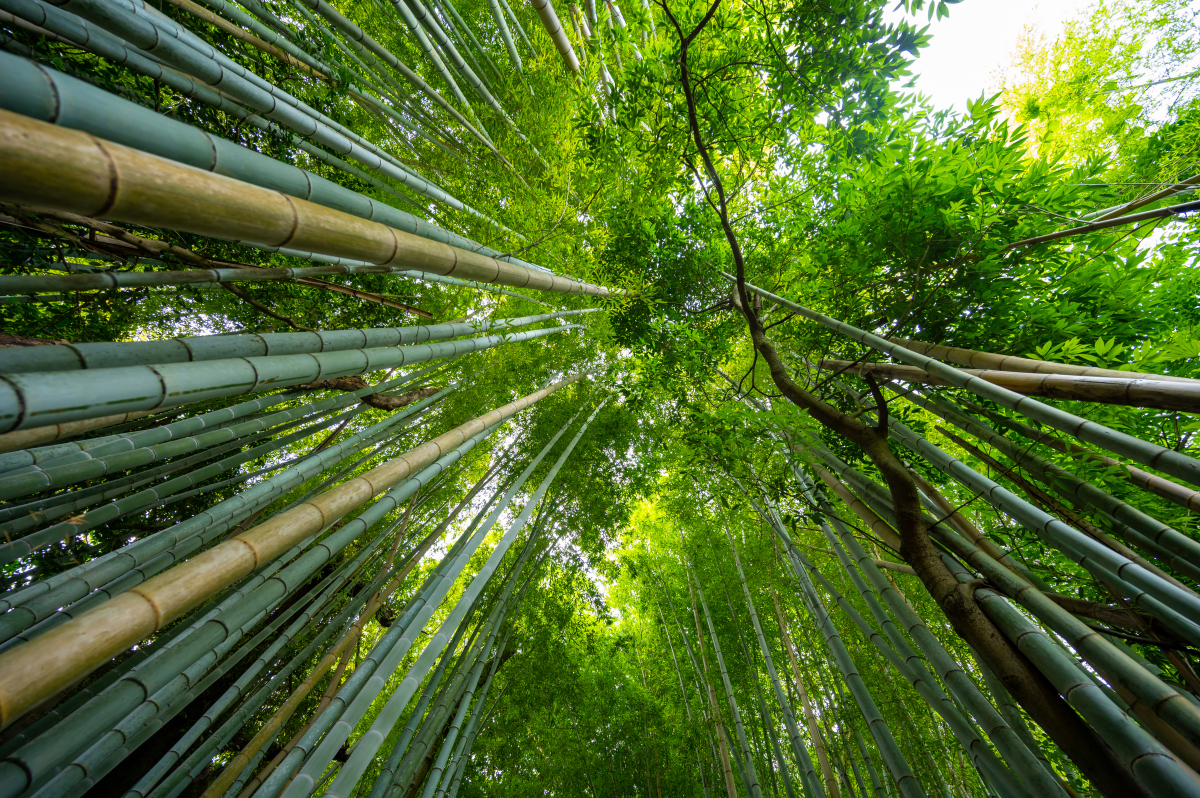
461 397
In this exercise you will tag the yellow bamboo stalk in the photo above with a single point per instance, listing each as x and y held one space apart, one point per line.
36 436
43 165
899 568
1123 390
247 37
991 360
876 524
831 785
37 670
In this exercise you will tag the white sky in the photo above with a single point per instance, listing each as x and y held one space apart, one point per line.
970 47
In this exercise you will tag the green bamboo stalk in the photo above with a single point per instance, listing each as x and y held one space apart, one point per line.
1177 607
23 546
1163 488
182 50
1126 391
897 765
505 35
814 732
989 360
156 550
1153 764
500 612
392 648
706 688
1161 458
1184 551
378 656
448 6
32 399
431 54
66 357
1011 747
545 12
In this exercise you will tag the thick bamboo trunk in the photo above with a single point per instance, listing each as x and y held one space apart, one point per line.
1132 392
545 12
52 167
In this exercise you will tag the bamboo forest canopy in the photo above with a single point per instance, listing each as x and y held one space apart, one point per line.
486 398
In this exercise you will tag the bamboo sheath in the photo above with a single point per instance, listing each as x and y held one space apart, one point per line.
992 361
33 398
66 357
373 738
87 641
1163 488
1159 394
1176 544
1158 457
54 167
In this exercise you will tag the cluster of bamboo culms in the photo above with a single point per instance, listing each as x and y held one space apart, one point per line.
98 659
305 582
830 737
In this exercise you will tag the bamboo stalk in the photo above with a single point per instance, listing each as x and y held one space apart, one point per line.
1109 220
37 436
373 738
48 166
1177 544
66 357
1163 395
990 360
814 733
545 12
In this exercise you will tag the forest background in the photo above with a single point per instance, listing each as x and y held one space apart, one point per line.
845 193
